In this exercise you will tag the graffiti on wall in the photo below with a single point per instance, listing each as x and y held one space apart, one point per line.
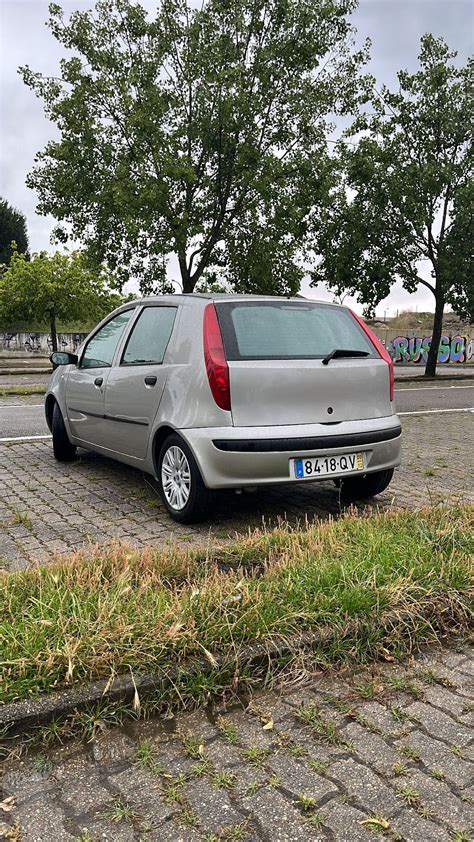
414 349
39 343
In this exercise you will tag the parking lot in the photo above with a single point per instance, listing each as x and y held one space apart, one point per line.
48 507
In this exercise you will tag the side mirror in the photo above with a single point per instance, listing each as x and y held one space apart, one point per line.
63 358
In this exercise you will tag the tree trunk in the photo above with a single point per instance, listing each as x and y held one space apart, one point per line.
430 370
52 323
187 281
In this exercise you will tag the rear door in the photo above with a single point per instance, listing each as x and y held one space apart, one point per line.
275 352
86 384
135 385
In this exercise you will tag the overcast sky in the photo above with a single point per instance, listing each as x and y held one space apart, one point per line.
394 26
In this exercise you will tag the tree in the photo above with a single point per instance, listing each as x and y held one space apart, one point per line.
12 230
57 286
406 193
199 134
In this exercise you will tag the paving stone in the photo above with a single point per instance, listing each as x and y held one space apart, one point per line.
380 716
441 697
140 789
372 748
298 779
24 783
437 755
41 821
212 806
107 831
82 795
345 822
278 818
113 745
442 725
414 828
362 784
437 795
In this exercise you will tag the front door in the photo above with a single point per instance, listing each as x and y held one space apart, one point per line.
135 385
85 387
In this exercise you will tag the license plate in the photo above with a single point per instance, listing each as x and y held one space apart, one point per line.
319 466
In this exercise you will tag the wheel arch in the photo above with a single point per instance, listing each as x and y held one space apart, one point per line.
48 410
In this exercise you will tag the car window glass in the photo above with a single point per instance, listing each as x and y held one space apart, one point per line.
150 336
100 350
288 331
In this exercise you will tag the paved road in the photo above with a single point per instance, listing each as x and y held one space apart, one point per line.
403 756
25 417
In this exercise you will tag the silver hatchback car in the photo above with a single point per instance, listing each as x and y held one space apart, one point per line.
208 392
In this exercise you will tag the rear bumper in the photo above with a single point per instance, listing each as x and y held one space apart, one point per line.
233 457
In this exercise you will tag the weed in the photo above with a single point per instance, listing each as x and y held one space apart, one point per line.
461 836
306 802
400 770
274 781
121 811
228 731
223 780
410 795
188 817
324 729
192 745
368 689
437 774
23 518
430 677
145 756
429 472
405 685
410 752
204 766
398 713
41 762
255 756
315 819
296 749
318 766
457 751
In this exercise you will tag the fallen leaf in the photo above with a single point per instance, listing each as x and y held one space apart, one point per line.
8 804
268 725
376 822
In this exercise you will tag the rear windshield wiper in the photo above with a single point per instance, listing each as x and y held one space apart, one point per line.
340 352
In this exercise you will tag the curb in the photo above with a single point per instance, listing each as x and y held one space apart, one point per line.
441 378
24 715
16 718
9 372
19 394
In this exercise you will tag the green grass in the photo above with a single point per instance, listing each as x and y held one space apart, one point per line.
21 391
390 581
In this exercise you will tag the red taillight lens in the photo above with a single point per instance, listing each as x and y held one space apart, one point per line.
381 350
214 358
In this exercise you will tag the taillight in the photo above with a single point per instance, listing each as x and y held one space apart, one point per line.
214 358
381 350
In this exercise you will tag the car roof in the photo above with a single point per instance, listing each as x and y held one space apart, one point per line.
225 296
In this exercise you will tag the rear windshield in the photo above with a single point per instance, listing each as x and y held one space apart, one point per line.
288 330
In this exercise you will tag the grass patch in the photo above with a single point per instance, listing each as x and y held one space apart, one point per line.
7 391
390 581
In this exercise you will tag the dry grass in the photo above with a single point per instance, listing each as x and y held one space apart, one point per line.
378 583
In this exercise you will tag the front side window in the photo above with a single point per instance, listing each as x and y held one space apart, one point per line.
100 350
150 335
287 330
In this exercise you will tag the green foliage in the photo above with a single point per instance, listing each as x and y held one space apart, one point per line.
12 231
199 133
406 191
63 286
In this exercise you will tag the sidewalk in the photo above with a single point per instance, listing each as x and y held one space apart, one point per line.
388 749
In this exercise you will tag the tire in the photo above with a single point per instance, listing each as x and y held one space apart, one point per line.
362 488
63 450
184 494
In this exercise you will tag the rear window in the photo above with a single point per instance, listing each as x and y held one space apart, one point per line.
267 330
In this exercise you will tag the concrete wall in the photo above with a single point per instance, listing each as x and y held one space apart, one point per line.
37 343
409 347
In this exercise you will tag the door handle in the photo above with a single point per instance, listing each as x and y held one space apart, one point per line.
98 381
150 380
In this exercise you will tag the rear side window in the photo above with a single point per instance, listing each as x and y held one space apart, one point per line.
150 335
100 350
283 330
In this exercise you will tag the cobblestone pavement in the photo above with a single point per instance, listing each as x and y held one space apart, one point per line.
47 507
389 749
